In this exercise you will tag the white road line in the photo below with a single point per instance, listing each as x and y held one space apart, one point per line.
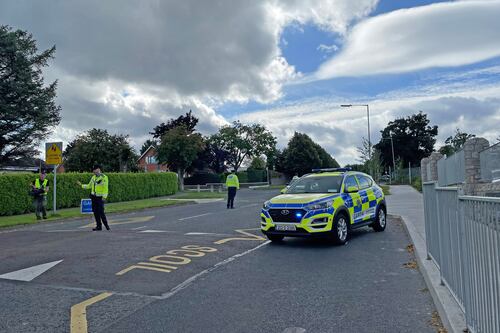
193 217
28 274
139 227
200 233
193 278
153 231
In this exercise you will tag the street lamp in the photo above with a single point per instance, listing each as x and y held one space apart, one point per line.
368 116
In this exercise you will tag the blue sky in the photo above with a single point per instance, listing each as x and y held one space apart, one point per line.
286 64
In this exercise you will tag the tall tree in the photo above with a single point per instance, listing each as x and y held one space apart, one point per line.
148 143
179 147
302 155
454 143
28 111
188 121
113 152
413 139
242 141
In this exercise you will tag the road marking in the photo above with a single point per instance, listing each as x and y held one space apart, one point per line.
28 274
193 217
152 231
127 220
246 206
195 277
199 233
139 227
251 237
79 313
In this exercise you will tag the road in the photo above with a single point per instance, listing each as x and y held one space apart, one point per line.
203 268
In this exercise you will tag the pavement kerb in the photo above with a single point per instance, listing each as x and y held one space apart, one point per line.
451 314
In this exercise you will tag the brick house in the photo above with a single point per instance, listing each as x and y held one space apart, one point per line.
148 161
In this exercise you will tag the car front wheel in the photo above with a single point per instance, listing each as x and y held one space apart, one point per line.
340 230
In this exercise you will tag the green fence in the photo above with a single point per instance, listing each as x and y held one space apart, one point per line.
15 188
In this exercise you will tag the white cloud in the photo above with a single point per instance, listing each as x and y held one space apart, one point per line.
443 34
327 48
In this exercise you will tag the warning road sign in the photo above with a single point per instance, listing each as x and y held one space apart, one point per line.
53 153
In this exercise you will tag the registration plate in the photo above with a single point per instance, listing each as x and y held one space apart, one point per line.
285 227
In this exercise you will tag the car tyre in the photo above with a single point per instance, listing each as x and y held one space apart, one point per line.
340 229
380 220
275 238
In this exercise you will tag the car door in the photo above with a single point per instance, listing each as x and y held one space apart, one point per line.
364 187
354 203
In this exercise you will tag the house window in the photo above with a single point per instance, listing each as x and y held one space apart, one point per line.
151 160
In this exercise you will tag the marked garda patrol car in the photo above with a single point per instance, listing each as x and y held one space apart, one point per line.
327 202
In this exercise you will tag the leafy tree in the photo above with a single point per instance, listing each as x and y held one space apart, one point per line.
113 152
27 108
302 155
413 139
148 143
242 141
188 121
179 147
455 143
258 164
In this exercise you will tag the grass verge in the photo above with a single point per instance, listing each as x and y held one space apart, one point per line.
116 207
198 195
386 189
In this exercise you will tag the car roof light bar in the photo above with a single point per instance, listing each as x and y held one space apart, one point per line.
332 170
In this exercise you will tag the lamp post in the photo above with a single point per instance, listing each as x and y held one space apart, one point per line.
368 116
392 147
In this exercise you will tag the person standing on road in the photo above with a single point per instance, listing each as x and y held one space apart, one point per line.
232 184
98 186
40 189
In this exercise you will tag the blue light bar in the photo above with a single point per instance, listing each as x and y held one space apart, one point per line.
332 170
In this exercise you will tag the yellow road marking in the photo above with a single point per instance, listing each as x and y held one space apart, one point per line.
251 237
79 313
123 221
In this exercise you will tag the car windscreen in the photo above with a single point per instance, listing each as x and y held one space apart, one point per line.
319 184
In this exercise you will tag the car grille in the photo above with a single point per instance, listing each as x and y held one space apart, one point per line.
287 215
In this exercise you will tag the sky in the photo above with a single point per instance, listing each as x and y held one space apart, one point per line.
127 66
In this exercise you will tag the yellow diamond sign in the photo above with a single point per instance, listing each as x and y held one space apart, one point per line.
53 153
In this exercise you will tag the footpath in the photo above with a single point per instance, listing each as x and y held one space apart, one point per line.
407 202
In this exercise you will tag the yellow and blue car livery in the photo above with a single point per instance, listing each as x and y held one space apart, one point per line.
349 200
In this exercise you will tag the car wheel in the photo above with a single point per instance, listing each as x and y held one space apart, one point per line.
380 220
275 238
340 230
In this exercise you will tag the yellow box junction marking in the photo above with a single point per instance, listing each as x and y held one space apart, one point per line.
79 313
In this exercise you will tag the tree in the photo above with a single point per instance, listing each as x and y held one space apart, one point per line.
413 139
302 155
148 143
370 159
27 108
188 121
179 147
455 143
242 141
113 152
258 164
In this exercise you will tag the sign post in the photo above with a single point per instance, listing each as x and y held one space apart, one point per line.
53 156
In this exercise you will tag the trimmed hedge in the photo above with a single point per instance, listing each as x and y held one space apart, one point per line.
15 188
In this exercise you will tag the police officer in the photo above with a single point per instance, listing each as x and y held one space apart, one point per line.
232 184
40 189
98 186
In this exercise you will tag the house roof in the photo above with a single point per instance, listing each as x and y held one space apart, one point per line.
145 152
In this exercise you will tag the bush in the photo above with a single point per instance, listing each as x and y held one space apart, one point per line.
202 178
15 188
417 184
256 175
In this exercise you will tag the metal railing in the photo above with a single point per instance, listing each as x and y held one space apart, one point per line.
463 239
451 170
490 163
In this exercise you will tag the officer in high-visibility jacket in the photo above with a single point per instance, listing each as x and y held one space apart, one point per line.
98 186
40 189
232 184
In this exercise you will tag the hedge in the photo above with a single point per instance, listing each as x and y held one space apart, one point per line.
15 188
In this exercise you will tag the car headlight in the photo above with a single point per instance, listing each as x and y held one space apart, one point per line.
319 205
267 205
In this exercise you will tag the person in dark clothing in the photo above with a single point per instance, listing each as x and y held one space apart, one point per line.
98 186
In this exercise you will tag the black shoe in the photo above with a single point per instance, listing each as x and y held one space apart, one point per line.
227 207
45 217
232 207
96 229
107 228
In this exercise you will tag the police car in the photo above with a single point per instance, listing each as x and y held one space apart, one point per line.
327 202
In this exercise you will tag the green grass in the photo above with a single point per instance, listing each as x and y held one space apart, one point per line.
117 207
386 189
198 195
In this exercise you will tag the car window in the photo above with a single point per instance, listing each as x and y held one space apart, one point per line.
320 184
364 182
350 181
